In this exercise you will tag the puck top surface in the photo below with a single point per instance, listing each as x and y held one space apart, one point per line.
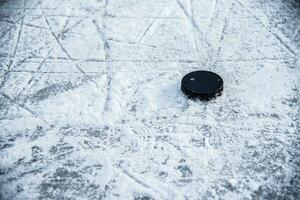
202 84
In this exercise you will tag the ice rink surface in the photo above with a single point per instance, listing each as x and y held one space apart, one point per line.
91 107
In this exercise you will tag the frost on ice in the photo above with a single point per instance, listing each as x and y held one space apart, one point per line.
91 107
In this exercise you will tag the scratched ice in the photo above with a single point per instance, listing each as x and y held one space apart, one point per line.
91 107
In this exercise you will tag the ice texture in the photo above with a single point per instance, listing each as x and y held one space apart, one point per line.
91 107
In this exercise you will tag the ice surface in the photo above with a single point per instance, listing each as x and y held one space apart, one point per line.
91 107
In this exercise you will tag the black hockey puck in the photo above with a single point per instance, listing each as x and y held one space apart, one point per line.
203 85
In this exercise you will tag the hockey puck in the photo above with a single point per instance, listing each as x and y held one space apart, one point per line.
202 85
